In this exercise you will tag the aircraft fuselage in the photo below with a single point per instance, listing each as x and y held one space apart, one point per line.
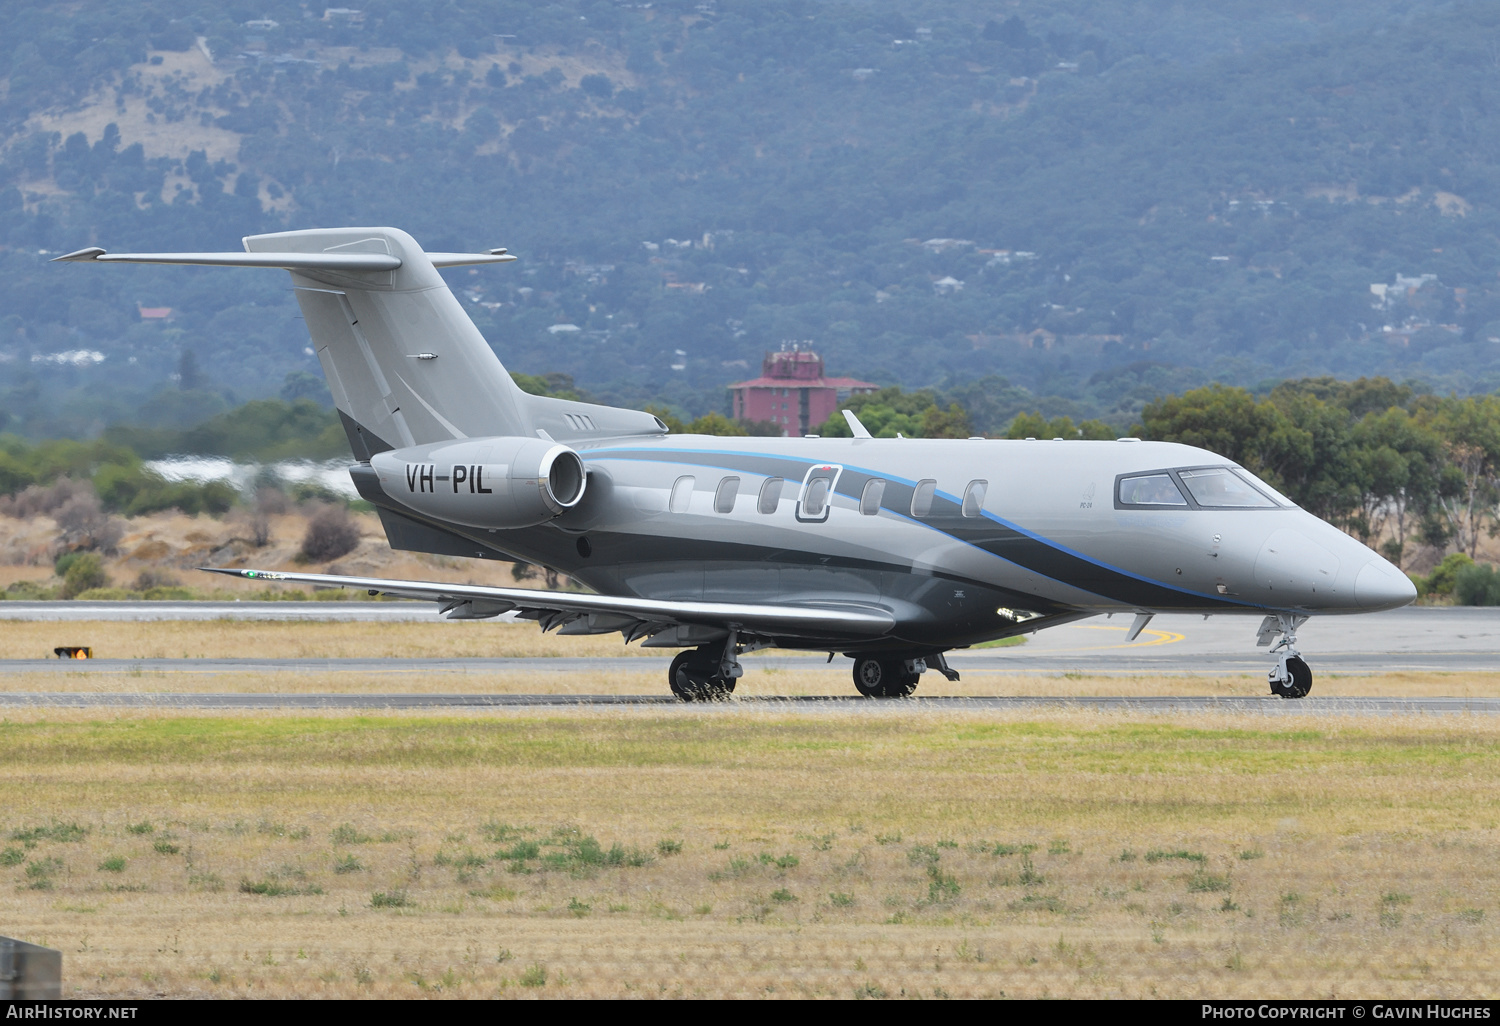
955 537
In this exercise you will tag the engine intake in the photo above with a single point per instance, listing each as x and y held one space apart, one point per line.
498 483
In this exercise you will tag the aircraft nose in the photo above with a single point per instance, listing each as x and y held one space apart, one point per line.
1382 586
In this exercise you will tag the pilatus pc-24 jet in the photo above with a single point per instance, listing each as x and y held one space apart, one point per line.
890 551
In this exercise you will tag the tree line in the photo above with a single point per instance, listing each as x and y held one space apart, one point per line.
1407 471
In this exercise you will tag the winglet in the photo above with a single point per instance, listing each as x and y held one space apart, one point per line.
860 431
80 255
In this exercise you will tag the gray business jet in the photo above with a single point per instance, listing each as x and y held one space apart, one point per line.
890 551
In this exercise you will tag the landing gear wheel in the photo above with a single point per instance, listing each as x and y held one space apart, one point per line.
883 678
1298 682
693 680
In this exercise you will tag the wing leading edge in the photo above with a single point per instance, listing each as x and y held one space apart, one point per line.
675 622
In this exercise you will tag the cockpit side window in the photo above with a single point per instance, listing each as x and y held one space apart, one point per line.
1262 486
1150 490
1221 488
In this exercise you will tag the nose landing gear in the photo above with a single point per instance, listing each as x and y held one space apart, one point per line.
1291 677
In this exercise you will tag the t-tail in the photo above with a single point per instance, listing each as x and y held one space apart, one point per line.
405 364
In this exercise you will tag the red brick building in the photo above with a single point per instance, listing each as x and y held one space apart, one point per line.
792 392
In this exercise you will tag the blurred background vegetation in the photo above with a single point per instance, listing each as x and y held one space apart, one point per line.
1093 204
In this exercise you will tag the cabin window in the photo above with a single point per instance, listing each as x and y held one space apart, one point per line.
1150 490
770 494
921 497
974 498
725 494
682 494
869 499
1218 486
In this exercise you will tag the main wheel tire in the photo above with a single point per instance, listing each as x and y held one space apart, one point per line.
1300 683
883 678
693 680
870 676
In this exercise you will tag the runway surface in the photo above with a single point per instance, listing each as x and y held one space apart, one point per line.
803 703
1417 639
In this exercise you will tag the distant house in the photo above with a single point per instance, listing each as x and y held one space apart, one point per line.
947 286
558 329
154 313
348 14
793 393
262 24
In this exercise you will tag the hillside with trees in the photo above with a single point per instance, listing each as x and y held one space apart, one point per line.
1090 204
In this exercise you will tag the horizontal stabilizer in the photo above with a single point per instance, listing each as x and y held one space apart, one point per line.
289 261
641 616
494 256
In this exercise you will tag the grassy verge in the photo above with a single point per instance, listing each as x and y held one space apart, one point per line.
744 851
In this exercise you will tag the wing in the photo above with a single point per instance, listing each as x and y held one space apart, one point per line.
664 623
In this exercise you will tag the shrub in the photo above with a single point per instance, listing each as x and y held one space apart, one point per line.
1444 576
330 534
1476 585
390 899
83 525
534 976
84 571
113 864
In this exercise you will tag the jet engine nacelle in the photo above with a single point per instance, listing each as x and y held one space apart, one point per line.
484 482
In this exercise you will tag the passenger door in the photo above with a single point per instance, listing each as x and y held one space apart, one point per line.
817 493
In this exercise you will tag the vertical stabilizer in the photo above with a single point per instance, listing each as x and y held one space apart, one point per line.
404 362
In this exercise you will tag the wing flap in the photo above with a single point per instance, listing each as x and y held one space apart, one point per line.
553 609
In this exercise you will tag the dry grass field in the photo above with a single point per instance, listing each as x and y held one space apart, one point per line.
752 850
297 639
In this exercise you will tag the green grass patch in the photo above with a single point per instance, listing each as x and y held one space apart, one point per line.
277 888
391 899
1012 642
62 833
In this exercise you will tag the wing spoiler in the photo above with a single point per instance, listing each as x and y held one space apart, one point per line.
288 261
633 617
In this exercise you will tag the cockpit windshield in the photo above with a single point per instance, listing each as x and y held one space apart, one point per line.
1221 487
1198 487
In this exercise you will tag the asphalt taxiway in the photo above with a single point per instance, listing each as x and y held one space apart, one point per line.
1415 639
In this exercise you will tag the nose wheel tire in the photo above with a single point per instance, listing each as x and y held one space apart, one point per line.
693 680
884 678
1298 682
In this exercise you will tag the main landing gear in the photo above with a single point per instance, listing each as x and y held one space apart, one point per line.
707 673
1291 677
894 677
